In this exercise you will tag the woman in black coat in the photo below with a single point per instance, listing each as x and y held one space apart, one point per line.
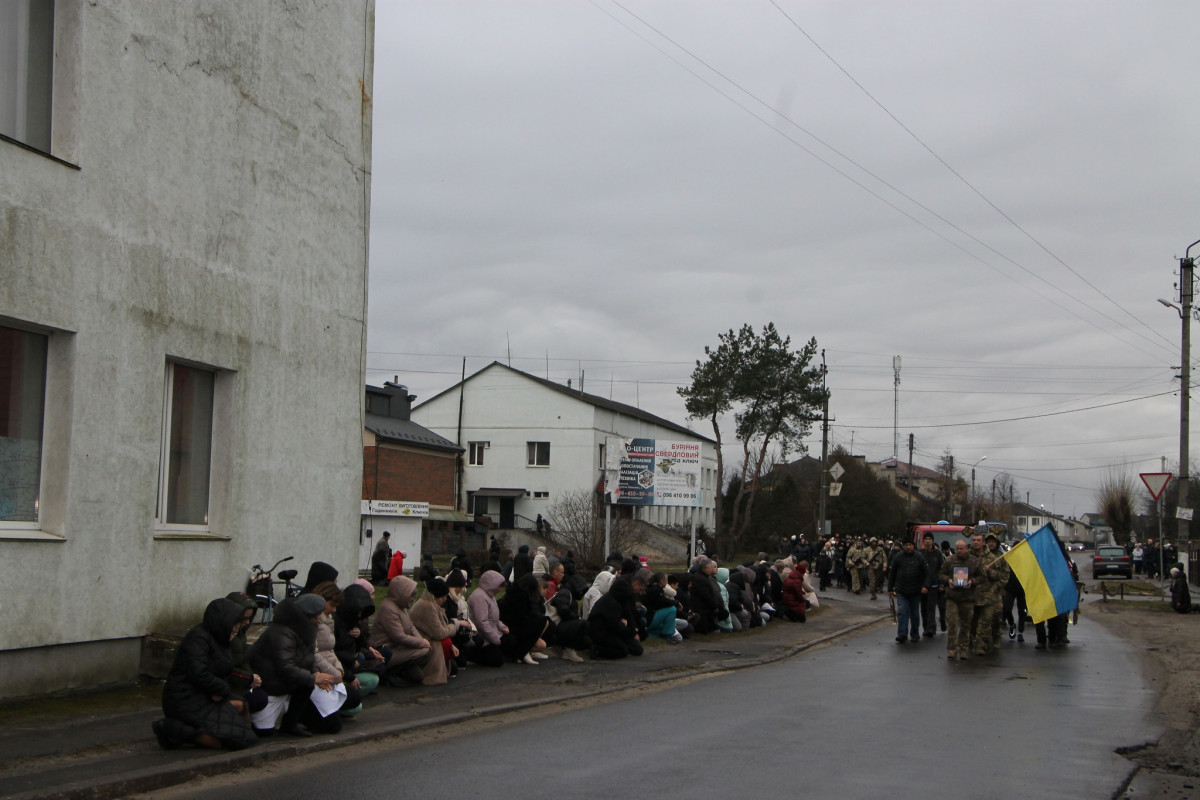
524 612
285 657
198 702
609 626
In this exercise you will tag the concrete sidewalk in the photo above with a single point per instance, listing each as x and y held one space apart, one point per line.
94 747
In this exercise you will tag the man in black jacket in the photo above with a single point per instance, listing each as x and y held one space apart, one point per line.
933 604
908 582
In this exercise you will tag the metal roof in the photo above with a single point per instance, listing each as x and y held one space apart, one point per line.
406 431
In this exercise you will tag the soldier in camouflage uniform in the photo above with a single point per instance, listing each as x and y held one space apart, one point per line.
960 599
994 556
987 595
877 561
856 564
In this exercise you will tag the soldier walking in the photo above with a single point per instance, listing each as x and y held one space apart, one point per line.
959 573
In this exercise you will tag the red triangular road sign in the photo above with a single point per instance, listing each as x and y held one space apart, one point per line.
1155 482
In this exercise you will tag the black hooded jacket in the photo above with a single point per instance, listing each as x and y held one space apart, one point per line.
356 608
318 573
285 654
202 664
605 621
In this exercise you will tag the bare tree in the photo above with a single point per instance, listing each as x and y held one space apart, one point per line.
1116 496
578 526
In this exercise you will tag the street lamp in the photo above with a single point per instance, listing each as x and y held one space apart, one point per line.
973 466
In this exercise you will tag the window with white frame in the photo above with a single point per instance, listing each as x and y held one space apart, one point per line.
541 495
26 70
537 454
22 401
186 460
475 453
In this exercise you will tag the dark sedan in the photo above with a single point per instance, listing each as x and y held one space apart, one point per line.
1111 561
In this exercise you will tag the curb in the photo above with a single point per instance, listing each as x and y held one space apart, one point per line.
162 776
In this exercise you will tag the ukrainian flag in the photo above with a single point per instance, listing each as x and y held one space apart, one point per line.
1041 567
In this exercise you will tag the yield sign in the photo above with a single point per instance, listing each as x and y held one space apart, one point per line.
1155 482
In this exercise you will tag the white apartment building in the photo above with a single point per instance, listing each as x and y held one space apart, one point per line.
530 440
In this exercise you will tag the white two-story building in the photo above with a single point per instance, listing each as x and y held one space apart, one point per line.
529 440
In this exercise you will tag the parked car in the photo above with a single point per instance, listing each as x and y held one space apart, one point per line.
1111 560
1075 546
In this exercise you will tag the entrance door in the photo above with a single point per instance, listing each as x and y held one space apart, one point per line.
508 512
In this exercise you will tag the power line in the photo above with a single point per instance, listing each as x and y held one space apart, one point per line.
964 181
780 115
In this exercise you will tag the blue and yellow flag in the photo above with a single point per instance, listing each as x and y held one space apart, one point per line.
1041 567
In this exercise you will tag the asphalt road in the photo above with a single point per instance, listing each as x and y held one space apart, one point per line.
862 717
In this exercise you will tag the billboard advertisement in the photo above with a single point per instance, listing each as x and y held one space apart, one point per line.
652 472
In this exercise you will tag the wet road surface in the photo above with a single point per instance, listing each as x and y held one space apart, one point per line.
862 717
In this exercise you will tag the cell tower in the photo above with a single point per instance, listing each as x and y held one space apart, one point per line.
896 412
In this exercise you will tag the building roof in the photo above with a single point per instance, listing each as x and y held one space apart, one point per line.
405 431
918 471
591 399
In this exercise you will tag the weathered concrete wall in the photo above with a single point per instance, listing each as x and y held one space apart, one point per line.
219 215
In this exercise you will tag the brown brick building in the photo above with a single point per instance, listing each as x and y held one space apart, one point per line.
408 483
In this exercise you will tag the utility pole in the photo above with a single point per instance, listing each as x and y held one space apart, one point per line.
910 474
1183 510
824 451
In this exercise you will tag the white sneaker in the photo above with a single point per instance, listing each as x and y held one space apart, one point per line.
539 656
528 659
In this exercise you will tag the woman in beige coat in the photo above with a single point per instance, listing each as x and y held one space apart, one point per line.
429 617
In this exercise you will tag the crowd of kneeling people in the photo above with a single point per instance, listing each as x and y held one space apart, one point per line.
327 648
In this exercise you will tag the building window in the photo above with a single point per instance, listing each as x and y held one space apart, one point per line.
475 453
22 399
1021 522
187 446
537 454
541 495
26 70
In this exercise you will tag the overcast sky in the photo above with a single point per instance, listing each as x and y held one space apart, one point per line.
996 192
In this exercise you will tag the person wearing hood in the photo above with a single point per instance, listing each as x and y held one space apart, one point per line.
411 654
396 566
485 613
352 640
611 632
541 562
199 705
319 572
285 657
244 682
327 657
795 604
523 610
600 586
735 586
429 618
1181 595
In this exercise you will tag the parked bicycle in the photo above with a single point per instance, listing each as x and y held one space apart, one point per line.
261 587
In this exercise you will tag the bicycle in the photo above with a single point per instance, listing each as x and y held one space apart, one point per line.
261 587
